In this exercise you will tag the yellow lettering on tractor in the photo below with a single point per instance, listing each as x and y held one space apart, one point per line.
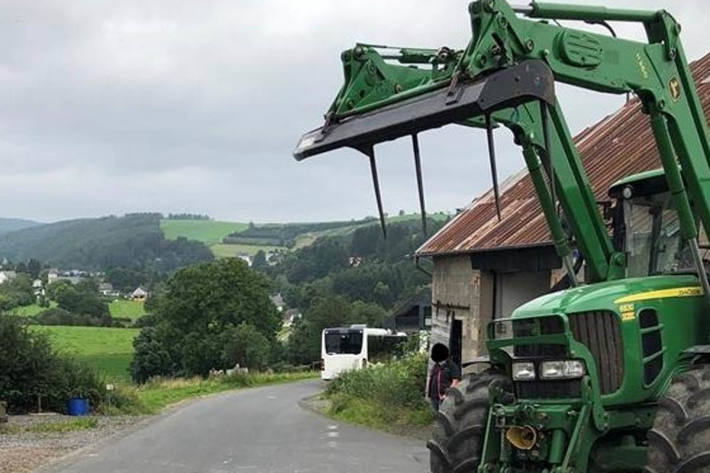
691 291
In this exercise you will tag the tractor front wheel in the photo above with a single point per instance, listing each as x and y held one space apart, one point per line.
679 441
460 425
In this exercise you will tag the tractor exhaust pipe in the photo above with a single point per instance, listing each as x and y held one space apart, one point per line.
522 438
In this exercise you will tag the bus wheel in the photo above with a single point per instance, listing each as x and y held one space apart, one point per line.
679 441
460 425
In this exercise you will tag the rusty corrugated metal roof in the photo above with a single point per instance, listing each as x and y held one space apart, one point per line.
619 145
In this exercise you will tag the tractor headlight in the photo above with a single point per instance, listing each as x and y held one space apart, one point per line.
524 371
563 369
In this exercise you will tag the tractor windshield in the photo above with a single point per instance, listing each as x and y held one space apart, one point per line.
653 241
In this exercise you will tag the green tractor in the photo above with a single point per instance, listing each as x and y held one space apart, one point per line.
611 374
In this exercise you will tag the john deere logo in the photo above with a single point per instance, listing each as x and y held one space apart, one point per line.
674 87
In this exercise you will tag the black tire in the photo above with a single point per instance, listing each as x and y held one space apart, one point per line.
679 441
460 425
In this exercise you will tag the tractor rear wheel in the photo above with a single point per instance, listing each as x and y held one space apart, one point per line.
460 425
679 441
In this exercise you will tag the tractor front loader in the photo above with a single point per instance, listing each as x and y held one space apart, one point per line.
613 373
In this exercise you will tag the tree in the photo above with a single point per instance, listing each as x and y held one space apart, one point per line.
150 359
329 311
214 296
80 299
259 261
33 268
368 313
124 279
246 346
16 292
199 305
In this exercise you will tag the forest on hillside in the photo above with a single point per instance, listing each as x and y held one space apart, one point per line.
342 279
130 241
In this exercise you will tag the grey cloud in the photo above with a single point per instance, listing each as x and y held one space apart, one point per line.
110 107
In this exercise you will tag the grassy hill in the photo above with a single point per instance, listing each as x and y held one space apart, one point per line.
208 232
134 240
109 350
228 239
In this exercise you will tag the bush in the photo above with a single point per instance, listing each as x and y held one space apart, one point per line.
29 366
400 383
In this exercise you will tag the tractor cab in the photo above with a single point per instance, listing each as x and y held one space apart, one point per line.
646 226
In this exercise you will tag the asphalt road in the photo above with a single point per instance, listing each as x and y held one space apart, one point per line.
261 430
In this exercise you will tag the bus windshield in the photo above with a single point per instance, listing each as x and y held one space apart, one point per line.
343 342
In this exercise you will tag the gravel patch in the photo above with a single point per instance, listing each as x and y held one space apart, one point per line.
21 451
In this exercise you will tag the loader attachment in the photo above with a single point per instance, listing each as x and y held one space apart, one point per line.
463 99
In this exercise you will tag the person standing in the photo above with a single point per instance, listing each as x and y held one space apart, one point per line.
444 374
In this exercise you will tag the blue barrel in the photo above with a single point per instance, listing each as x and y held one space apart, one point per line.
78 407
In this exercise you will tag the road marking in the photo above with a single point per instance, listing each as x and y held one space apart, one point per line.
332 427
333 434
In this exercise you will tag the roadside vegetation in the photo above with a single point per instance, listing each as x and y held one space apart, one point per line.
388 396
32 370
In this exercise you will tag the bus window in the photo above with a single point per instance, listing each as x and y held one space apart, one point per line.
349 342
382 347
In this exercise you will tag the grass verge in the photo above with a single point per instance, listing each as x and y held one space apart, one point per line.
162 392
398 420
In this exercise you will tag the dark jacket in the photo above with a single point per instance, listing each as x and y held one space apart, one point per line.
440 378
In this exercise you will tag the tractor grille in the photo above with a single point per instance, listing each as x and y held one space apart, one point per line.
570 388
600 331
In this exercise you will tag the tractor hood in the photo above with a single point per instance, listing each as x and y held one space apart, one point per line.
612 294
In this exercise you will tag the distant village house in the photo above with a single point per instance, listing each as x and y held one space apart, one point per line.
139 294
6 276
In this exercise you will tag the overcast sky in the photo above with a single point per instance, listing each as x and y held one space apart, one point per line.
109 107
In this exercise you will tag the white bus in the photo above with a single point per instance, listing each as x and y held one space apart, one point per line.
352 348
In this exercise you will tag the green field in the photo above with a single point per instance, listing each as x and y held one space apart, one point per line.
30 310
224 250
126 309
206 231
107 349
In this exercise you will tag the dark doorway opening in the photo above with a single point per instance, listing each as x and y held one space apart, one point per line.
455 341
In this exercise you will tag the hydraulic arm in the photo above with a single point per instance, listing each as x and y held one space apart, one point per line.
506 76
